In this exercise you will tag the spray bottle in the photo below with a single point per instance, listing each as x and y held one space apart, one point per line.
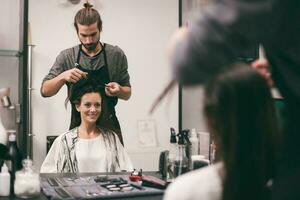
181 164
172 155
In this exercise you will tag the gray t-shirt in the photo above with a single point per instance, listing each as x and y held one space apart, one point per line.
116 61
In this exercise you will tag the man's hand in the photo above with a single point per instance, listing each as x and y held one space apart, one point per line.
51 87
263 67
73 75
112 89
116 90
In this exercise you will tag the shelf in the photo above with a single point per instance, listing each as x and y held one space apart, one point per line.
13 53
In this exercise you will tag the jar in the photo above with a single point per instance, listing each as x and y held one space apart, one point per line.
27 182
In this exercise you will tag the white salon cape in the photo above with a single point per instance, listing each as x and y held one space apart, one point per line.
70 154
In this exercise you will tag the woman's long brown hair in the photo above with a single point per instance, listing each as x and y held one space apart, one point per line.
240 113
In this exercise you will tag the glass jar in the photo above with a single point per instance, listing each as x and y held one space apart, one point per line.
27 182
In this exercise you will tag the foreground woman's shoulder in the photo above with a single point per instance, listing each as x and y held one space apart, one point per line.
204 183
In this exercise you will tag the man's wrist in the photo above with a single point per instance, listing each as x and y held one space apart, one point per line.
61 79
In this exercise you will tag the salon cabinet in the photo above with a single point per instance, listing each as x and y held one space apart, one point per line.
13 66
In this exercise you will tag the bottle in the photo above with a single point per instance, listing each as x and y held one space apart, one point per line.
14 157
194 147
27 182
204 143
212 152
173 145
181 160
4 181
172 155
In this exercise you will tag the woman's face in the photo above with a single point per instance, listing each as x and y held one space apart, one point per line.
89 107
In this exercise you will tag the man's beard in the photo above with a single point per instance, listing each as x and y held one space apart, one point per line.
90 46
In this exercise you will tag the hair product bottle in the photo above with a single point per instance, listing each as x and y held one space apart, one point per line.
14 157
194 147
4 181
27 182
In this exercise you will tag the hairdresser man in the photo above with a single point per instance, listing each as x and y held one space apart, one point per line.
224 29
91 58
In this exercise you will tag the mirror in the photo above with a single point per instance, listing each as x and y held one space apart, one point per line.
141 28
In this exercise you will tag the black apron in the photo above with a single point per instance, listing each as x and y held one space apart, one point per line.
103 78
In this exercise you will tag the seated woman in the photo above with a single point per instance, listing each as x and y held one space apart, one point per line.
240 115
91 146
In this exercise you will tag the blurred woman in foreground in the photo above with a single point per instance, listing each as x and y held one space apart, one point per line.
241 117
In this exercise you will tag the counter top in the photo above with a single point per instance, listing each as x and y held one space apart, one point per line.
146 194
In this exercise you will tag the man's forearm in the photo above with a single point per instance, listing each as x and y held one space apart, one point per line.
125 92
51 87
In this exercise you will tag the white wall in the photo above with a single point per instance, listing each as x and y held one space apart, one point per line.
142 29
9 22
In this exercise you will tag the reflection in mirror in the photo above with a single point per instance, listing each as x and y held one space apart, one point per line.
141 28
91 144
